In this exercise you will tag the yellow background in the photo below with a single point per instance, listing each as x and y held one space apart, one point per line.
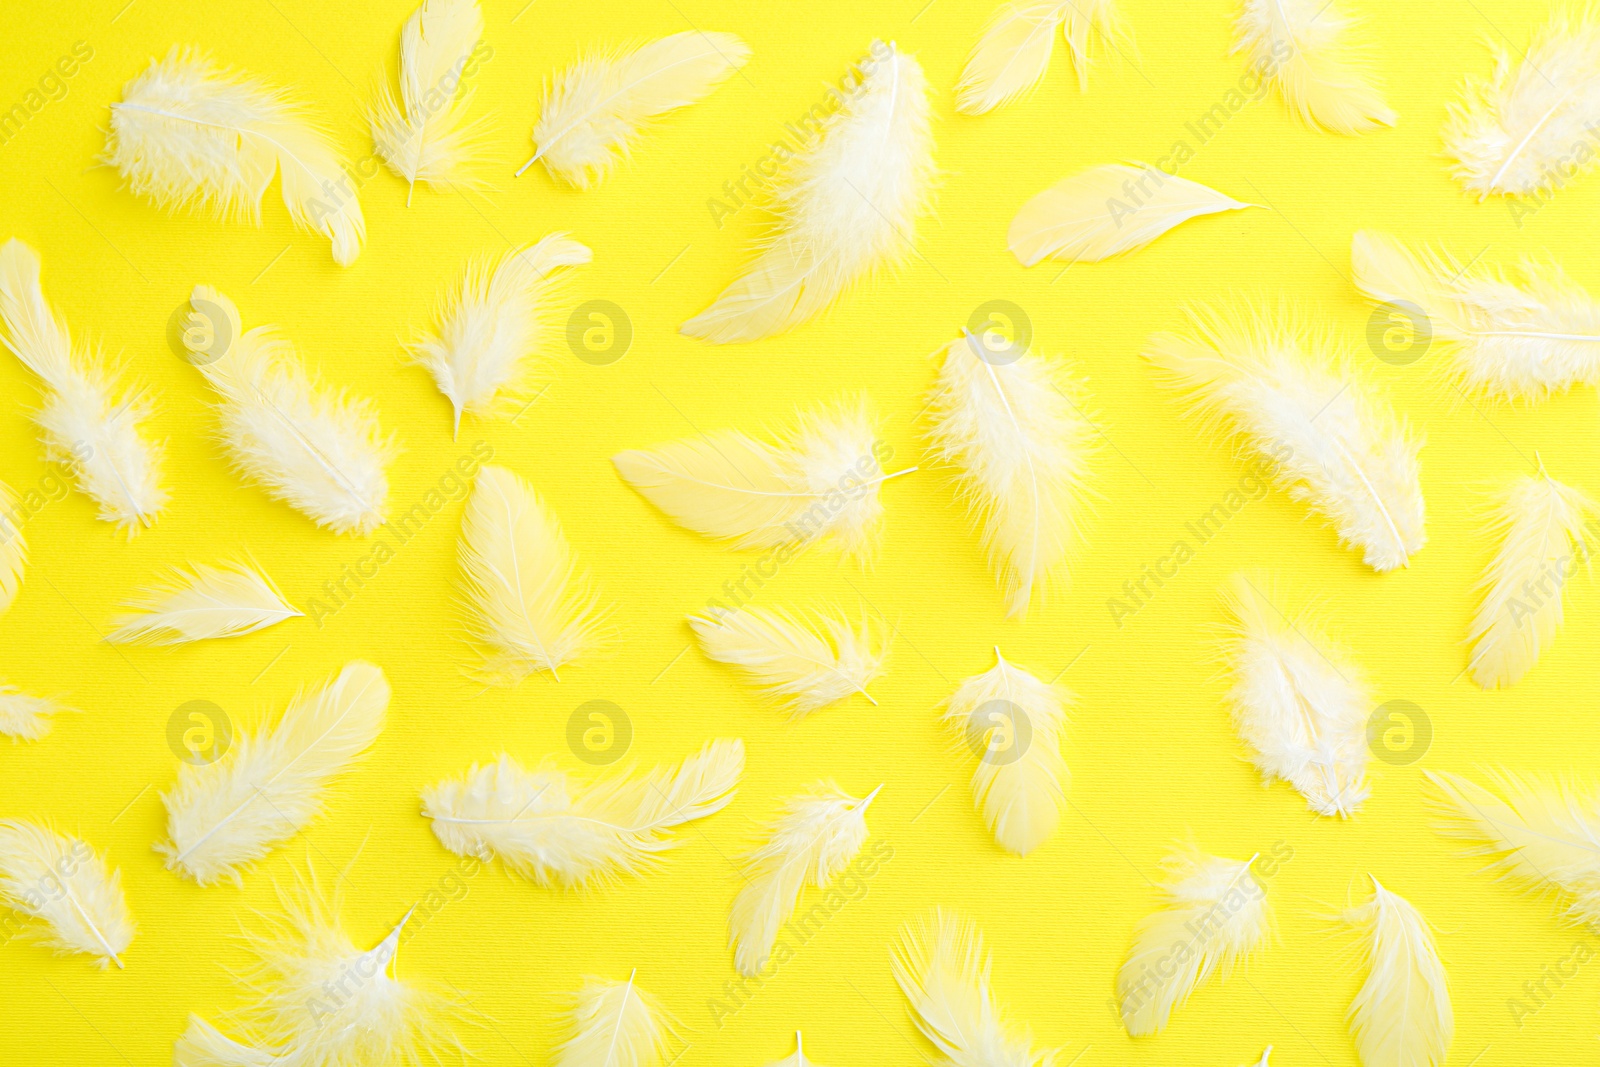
1152 753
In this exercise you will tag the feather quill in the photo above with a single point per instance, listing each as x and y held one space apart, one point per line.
1013 55
595 108
190 134
1401 1017
13 548
1303 48
1285 396
203 604
553 831
423 136
615 1024
808 664
1543 529
87 428
24 717
496 326
1017 436
65 884
812 840
845 206
1214 914
224 815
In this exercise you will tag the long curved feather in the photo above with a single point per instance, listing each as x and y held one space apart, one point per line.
1285 396
190 134
24 717
1013 55
846 206
1304 48
65 884
615 1024
13 549
423 136
1401 1017
809 665
203 604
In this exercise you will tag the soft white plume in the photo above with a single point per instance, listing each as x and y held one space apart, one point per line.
204 603
62 882
1401 1017
615 1024
1304 49
24 717
13 548
808 664
424 136
799 1058
1013 55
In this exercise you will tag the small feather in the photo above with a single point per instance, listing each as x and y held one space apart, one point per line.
24 717
1304 48
1402 1016
13 548
808 664
424 137
1013 55
799 1057
66 884
615 1024
203 604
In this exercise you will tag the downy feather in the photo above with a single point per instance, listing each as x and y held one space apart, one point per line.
1014 429
820 481
424 136
527 605
1303 48
13 548
594 109
1402 1016
1521 335
86 426
1107 210
845 206
1013 722
1514 132
554 831
1284 394
942 968
1298 703
808 664
190 134
24 717
320 451
494 331
1013 55
202 604
615 1024
65 884
813 839
224 815
1542 528
1213 914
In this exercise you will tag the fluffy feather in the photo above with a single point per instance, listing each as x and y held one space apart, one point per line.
1018 438
556 832
845 206
1014 722
1513 133
943 970
819 481
1521 336
595 108
615 1024
1542 528
423 136
812 840
13 548
1013 55
527 605
1214 913
809 664
24 717
87 427
190 134
1298 704
321 452
1283 394
1108 210
205 603
64 883
1401 1017
497 325
224 815
1303 48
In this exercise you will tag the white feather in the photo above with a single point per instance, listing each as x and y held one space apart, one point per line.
1013 55
845 206
819 481
202 604
24 717
808 664
1304 48
943 970
1514 133
527 605
65 884
1401 1017
320 451
1522 336
1018 437
1286 395
1014 721
424 136
13 549
1298 703
1543 530
190 134
86 426
495 329
553 831
224 815
812 840
594 109
615 1024
799 1057
1108 210
1214 913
